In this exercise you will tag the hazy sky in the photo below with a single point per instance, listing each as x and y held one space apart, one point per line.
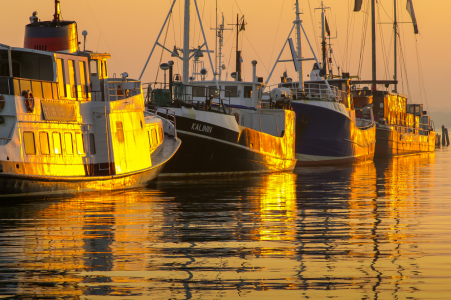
128 29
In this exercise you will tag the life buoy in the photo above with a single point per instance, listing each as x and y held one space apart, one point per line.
2 102
29 100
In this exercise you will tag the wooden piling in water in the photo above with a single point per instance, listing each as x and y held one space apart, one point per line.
445 136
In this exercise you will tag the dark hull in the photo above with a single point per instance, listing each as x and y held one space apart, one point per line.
325 137
225 152
389 142
22 185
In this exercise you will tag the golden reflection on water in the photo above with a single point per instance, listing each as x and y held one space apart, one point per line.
278 207
333 229
103 232
404 173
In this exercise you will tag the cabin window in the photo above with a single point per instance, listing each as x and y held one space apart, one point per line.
100 70
37 89
25 85
231 91
92 144
61 77
150 138
17 90
55 90
82 93
198 91
105 70
161 133
4 70
83 80
57 143
28 139
44 141
154 137
47 90
4 86
93 67
248 92
72 79
80 143
68 143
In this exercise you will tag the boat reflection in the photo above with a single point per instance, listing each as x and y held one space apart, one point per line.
66 248
402 174
278 211
320 229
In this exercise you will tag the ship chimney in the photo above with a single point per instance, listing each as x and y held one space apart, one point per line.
55 35
57 15
254 71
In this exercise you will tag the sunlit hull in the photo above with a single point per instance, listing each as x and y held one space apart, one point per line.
390 142
23 185
223 151
326 136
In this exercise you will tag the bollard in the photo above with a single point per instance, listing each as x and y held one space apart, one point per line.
447 137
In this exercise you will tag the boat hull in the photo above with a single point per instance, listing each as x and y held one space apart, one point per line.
390 142
23 185
209 149
326 135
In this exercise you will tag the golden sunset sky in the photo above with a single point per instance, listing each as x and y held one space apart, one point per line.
128 29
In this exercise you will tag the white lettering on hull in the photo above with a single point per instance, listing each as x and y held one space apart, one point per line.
201 128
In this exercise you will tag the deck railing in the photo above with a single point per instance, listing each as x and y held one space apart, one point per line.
164 114
117 89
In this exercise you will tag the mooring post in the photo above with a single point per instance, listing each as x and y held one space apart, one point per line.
447 137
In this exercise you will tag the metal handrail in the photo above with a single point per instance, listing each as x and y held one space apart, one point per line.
171 124
372 124
411 128
320 91
112 85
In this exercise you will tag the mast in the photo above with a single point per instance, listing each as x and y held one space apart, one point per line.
220 35
298 36
186 51
373 29
323 39
238 53
216 41
395 27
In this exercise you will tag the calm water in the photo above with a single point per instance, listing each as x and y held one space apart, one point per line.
374 231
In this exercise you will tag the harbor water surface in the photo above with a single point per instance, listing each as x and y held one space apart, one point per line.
372 231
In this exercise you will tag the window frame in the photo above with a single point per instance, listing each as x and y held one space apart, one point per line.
59 143
41 133
66 143
26 140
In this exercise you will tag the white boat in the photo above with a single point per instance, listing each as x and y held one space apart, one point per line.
225 130
66 126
